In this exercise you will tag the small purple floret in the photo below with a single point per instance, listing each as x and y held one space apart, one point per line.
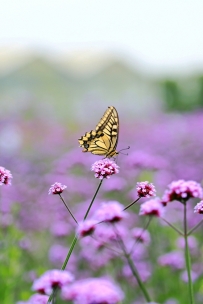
152 207
145 189
5 176
57 188
199 208
111 211
50 279
86 228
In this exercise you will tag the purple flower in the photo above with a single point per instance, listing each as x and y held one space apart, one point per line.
111 211
152 207
86 228
141 235
199 207
5 176
145 189
194 276
104 168
57 188
93 290
182 190
50 279
36 299
173 259
192 244
143 268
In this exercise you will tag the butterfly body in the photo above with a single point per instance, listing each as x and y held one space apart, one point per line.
103 140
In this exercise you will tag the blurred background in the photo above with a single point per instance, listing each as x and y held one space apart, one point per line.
66 61
62 63
62 58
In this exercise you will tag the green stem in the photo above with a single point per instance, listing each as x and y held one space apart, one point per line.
193 229
133 268
174 228
88 210
69 252
139 238
187 257
68 208
128 206
75 240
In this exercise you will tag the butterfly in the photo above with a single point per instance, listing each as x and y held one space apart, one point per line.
103 140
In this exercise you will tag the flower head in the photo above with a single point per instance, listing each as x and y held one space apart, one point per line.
104 168
93 290
57 188
141 235
182 190
145 189
173 259
50 279
86 228
36 299
152 207
111 211
199 208
5 176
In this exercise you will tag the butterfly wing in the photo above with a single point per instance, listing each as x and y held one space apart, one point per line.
103 140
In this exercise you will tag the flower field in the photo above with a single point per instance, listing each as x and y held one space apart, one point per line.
126 231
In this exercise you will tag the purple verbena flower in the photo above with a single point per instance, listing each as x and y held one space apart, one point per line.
86 228
36 299
93 290
141 235
111 211
199 207
57 188
194 276
50 279
182 190
5 176
173 259
152 207
104 168
145 189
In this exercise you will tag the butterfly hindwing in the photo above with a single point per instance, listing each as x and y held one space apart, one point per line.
103 140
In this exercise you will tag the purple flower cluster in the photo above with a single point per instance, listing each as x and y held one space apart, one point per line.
36 299
105 168
199 207
145 189
182 190
111 211
50 279
93 290
152 207
57 188
86 228
141 235
5 176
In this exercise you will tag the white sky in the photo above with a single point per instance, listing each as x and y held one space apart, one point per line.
159 35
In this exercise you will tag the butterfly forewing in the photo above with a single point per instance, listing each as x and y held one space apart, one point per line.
103 140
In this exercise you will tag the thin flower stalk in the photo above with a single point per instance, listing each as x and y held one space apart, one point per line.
134 202
68 209
194 228
53 295
187 257
172 226
137 240
132 267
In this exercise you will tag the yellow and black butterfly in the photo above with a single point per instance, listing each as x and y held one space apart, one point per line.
103 140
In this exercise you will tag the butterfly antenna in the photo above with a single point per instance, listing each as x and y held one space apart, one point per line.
124 150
